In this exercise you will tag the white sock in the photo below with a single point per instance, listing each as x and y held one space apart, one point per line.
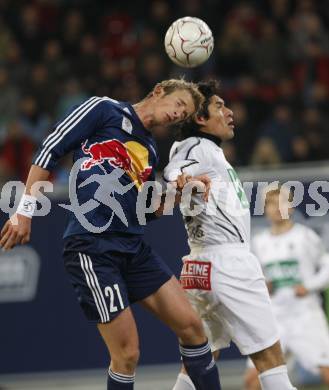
276 378
183 382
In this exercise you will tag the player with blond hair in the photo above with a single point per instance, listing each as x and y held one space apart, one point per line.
112 269
296 267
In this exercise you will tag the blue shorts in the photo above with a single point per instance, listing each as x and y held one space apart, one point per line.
109 272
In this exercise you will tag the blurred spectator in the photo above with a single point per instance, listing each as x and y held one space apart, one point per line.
33 122
109 78
56 64
233 50
160 16
72 31
309 48
14 62
41 85
29 33
319 97
245 133
16 153
268 58
280 130
152 69
87 63
272 58
288 94
5 40
279 11
266 153
9 97
71 96
315 132
248 92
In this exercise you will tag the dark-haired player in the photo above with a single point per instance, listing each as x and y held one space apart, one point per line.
112 269
222 278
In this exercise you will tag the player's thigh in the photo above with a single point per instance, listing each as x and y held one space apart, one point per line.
245 302
98 283
171 306
208 308
121 336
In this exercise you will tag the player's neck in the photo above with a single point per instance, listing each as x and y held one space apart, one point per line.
143 112
281 227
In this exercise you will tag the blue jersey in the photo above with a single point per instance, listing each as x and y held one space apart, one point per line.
109 135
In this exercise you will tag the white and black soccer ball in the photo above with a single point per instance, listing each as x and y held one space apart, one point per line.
189 42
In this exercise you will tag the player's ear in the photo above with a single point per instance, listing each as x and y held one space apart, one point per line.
200 119
158 91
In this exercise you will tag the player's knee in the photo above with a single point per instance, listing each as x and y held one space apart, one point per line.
192 330
131 356
127 358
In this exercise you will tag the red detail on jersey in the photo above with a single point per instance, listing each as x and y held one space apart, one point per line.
145 173
196 275
113 151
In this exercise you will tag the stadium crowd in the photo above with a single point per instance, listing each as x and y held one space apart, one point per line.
272 58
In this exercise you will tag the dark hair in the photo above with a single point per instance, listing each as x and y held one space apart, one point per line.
190 127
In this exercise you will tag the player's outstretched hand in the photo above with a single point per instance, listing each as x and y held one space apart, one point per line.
204 179
16 230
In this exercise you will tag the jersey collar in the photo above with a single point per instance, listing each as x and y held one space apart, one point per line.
211 137
137 119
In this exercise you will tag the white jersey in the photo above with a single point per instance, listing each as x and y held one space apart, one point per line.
221 277
225 219
295 257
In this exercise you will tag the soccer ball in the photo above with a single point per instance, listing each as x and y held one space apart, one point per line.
189 42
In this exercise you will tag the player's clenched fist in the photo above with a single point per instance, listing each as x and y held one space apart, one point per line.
202 182
16 230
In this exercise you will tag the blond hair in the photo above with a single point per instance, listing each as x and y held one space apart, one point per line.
171 85
281 190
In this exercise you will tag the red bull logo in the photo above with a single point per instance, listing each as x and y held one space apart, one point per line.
112 151
132 157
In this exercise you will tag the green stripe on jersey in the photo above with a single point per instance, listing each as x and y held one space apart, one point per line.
283 273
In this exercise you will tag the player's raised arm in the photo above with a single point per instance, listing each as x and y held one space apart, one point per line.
69 133
201 183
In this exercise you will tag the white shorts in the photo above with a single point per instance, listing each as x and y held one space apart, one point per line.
226 286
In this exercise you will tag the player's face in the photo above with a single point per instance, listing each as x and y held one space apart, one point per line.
172 108
272 208
220 122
